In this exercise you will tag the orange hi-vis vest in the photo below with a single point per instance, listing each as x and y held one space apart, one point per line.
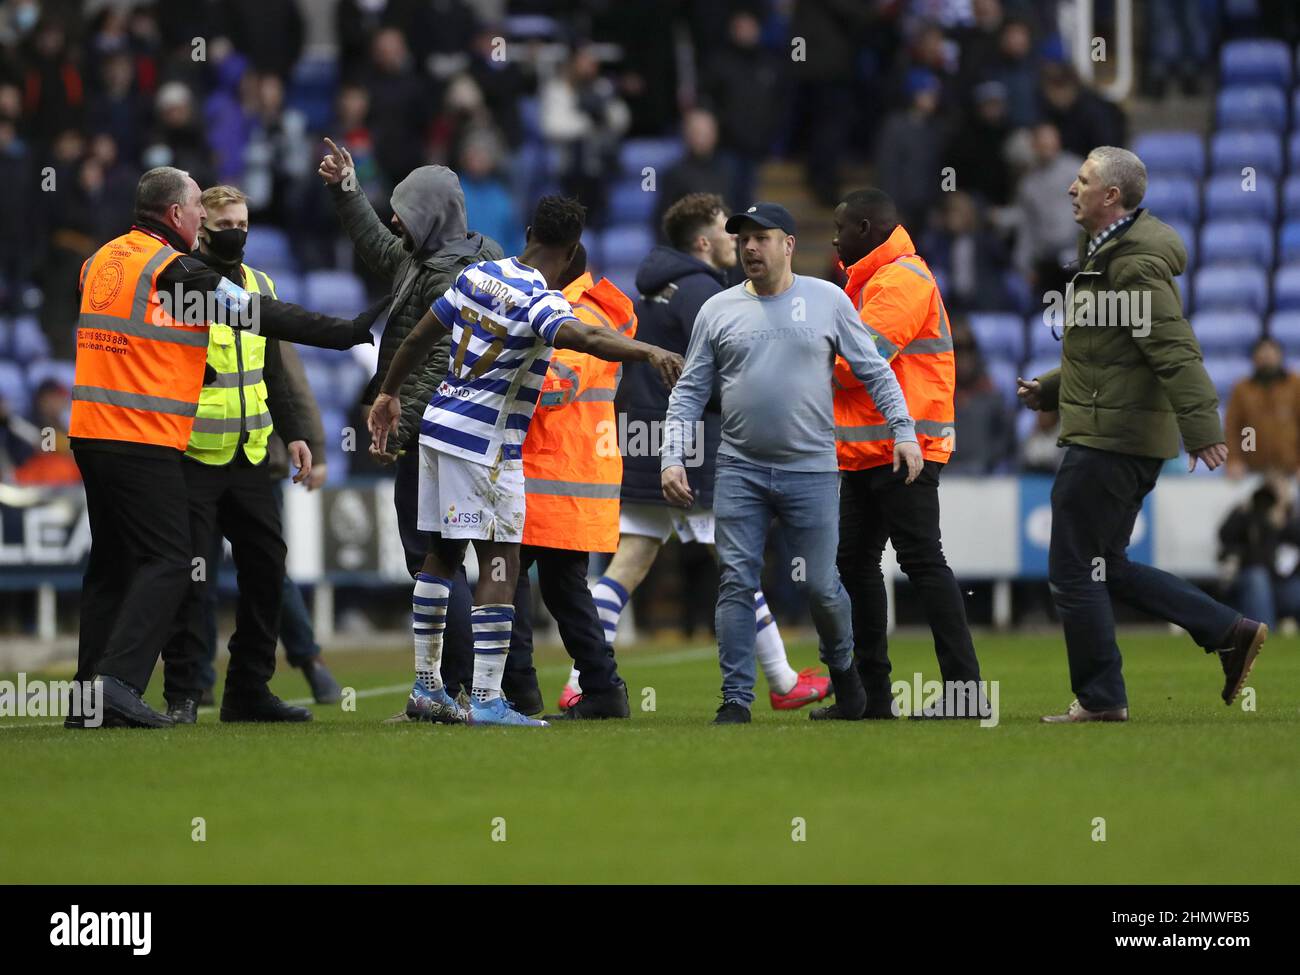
573 468
139 372
899 304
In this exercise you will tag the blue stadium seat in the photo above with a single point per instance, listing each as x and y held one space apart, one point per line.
351 379
1285 327
27 341
268 250
999 335
591 239
1188 236
334 419
1003 376
1227 332
1249 62
624 276
1286 288
64 370
1173 198
334 293
1226 371
636 154
628 244
1236 242
312 87
1043 338
288 286
13 387
1293 150
1231 152
628 203
1225 198
323 378
1288 242
1172 153
1037 366
1291 197
1231 288
1251 107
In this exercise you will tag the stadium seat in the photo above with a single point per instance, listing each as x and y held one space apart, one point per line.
1251 62
1173 198
323 378
1231 288
1286 288
1293 150
636 154
591 239
1172 153
268 250
1226 371
1227 198
338 293
61 369
1291 197
351 379
1232 151
999 335
1251 107
624 276
1002 374
27 340
1285 327
288 286
1227 333
629 203
334 419
1044 340
1188 236
1037 366
312 87
1236 242
628 244
1288 243
13 387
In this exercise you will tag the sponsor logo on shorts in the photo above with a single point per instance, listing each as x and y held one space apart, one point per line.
461 518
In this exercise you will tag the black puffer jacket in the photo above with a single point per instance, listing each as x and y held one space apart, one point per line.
671 286
432 208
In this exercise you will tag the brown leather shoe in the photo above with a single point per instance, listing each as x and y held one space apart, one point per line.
1077 712
1237 659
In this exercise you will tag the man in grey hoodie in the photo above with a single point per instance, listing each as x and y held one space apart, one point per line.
428 247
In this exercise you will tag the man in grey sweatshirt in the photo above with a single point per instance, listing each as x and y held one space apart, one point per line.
770 345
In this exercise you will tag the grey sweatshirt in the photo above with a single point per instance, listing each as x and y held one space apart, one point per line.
773 358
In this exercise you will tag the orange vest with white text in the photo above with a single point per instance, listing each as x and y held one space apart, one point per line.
898 302
573 469
139 373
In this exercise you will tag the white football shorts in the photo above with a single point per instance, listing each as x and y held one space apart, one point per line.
462 499
662 521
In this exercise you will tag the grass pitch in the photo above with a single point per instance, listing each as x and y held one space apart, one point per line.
1190 791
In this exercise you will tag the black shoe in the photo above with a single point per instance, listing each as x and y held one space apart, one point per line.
850 695
324 688
955 706
208 699
523 694
184 711
74 723
598 705
732 712
259 706
1239 656
124 708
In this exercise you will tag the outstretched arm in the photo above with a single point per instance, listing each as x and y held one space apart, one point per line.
415 348
605 343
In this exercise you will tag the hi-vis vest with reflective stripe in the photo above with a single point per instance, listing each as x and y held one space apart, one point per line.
573 468
138 372
900 305
226 403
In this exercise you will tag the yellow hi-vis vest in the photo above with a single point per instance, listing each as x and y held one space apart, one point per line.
235 397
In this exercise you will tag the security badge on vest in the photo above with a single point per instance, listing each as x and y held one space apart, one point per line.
233 399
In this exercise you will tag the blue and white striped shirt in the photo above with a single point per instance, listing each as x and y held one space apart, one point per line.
503 322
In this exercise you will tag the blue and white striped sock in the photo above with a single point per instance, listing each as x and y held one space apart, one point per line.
610 598
492 624
428 623
770 648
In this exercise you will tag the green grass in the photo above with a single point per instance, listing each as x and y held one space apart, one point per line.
1191 791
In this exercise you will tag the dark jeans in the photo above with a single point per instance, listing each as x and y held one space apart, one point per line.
878 505
1095 502
237 501
458 639
562 577
139 566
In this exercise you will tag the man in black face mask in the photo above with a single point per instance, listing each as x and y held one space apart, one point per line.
246 393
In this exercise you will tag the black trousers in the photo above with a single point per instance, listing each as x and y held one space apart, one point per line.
878 505
139 565
238 501
562 577
1096 498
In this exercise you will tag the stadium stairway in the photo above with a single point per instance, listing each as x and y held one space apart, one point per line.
783 182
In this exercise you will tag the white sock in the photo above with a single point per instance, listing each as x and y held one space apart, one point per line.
610 599
770 648
492 624
572 682
428 623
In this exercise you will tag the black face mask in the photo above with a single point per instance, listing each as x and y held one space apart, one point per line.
226 246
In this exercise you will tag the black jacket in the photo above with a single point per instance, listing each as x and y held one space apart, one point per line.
671 287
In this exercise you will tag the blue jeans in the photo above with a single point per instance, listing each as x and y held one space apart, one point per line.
746 498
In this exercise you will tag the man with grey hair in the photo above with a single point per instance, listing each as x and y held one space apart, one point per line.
142 344
1131 384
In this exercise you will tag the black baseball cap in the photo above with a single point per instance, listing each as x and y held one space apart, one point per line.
771 215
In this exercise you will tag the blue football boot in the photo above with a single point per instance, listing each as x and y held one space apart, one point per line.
436 706
498 712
